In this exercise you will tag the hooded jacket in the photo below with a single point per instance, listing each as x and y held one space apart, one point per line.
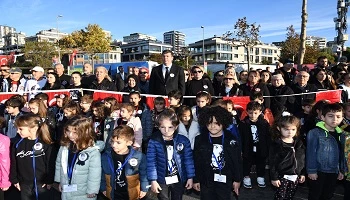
86 172
157 160
323 153
136 176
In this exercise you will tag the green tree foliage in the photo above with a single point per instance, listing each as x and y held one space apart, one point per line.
290 47
266 62
185 59
91 40
156 58
40 53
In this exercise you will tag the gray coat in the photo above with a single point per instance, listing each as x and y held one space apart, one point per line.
86 176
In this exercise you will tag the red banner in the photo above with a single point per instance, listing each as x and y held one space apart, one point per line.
239 102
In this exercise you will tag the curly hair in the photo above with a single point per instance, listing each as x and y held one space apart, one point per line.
284 122
221 115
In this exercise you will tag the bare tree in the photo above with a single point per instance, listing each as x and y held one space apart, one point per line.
246 34
302 48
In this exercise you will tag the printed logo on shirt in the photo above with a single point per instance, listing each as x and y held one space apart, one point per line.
23 154
120 181
255 135
218 151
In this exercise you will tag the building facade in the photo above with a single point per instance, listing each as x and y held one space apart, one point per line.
218 50
175 39
142 49
51 35
320 41
138 36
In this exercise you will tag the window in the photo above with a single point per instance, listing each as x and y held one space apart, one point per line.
264 51
235 55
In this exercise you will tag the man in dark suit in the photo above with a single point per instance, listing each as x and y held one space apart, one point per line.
120 78
167 77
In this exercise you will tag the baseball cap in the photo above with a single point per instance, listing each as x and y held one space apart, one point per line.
37 69
15 70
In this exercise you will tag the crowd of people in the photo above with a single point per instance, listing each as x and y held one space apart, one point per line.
80 148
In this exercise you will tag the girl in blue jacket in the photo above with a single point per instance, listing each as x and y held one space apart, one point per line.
170 166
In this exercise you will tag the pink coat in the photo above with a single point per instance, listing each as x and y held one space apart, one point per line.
4 161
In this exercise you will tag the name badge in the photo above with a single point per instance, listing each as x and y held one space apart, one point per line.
70 188
254 148
171 180
291 177
220 178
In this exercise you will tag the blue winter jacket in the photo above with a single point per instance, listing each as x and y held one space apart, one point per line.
323 153
108 171
156 158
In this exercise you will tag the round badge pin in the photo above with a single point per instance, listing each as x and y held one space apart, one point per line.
108 126
232 142
205 86
139 112
172 75
179 147
83 157
133 162
38 146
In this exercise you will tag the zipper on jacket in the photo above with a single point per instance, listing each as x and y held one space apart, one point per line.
296 162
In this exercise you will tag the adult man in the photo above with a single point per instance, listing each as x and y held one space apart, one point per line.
120 78
167 77
36 83
4 78
65 79
17 80
302 86
88 76
102 80
288 72
135 70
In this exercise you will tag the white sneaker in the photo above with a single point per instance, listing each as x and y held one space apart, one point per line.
247 183
261 182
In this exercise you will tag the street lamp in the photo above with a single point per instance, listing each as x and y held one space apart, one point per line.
58 39
203 47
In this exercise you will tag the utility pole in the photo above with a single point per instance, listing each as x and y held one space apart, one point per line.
341 27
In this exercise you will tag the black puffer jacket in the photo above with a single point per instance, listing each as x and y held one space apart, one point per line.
286 159
104 85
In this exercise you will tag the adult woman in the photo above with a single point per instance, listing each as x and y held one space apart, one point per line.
338 74
243 77
230 86
144 80
265 77
253 85
102 81
218 81
188 75
133 82
53 82
321 80
280 103
198 84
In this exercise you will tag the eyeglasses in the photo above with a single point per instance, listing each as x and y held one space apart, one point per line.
228 79
15 73
195 72
143 72
219 75
4 70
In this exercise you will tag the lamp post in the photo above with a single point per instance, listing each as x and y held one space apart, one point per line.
58 39
203 47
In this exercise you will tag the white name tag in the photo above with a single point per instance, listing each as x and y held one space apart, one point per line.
254 148
70 188
291 177
171 180
220 178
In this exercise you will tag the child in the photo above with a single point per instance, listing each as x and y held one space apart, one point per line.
175 99
307 105
159 106
217 156
187 126
127 118
255 136
143 112
4 161
101 121
32 158
202 99
287 157
78 163
170 165
44 98
38 107
325 159
344 125
124 173
71 109
113 105
85 104
13 108
266 112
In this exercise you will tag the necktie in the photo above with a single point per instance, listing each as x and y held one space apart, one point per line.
166 73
